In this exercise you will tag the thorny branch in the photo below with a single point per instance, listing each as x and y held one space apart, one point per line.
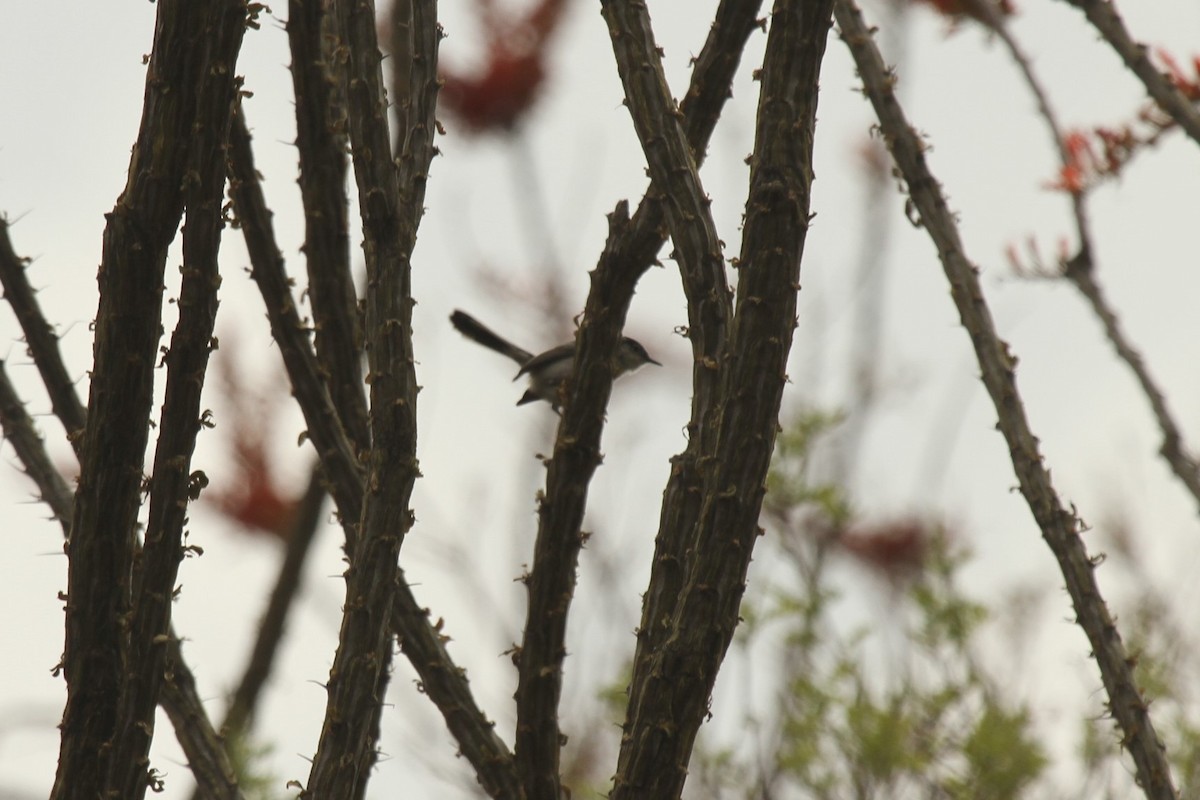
1059 525
630 250
21 433
41 340
612 287
173 484
674 682
1103 15
425 647
1079 269
391 196
205 751
318 80
195 51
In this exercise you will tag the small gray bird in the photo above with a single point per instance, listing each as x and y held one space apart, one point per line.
546 370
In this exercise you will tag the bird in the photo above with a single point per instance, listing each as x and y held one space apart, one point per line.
549 369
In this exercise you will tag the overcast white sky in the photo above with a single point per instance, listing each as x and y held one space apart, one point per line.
71 92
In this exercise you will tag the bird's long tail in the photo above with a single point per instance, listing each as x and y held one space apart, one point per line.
477 332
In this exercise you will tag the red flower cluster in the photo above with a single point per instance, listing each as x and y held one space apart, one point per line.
1093 155
1189 86
513 75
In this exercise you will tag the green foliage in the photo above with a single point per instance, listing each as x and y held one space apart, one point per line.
929 721
937 728
789 486
906 707
247 757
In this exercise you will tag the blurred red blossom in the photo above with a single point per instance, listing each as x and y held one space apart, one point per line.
985 11
514 69
1033 265
251 494
255 501
897 550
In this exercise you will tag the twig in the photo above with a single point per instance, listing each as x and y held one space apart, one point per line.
991 18
1172 449
270 630
672 686
1103 16
1060 527
21 433
41 339
1080 271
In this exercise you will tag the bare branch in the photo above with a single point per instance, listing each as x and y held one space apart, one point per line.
1185 467
1059 525
443 681
178 697
205 750
446 685
988 14
672 166
191 41
701 107
630 249
612 286
21 433
391 195
1080 269
173 485
41 339
318 78
1103 15
267 268
205 753
551 582
270 630
672 685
